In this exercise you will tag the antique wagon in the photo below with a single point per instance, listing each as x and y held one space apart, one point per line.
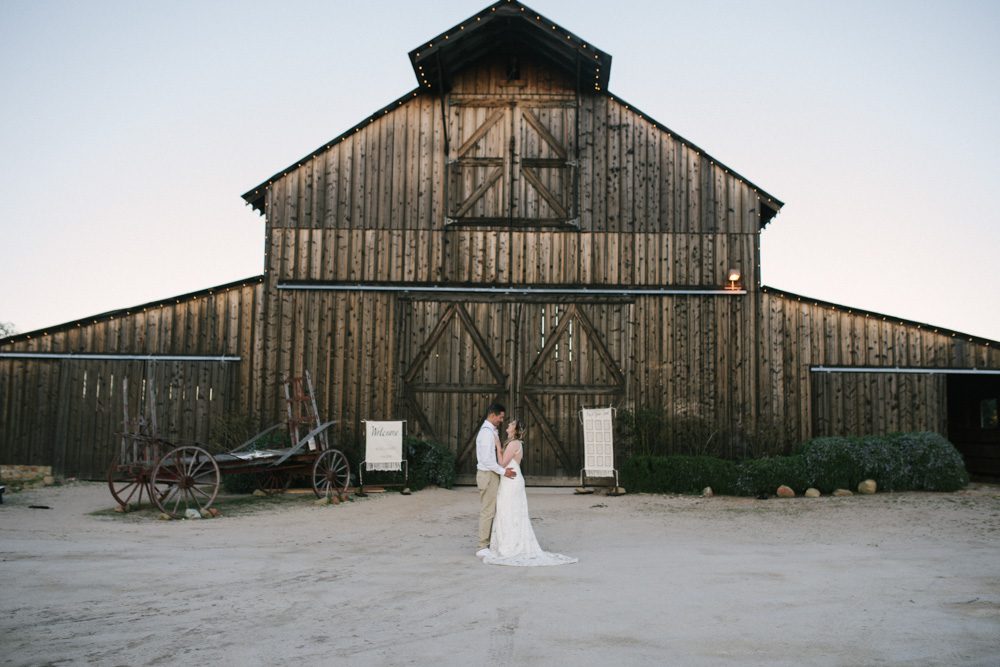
183 477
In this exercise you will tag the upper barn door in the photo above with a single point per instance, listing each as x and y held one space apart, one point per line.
512 162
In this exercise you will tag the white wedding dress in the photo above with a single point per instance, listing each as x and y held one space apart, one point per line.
513 541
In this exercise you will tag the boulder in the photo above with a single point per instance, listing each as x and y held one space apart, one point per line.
192 513
707 492
785 492
163 517
842 493
49 480
322 501
812 493
260 493
868 487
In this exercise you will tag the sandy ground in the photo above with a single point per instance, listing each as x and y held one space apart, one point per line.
894 579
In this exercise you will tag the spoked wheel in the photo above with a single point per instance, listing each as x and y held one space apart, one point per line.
273 482
331 474
185 478
128 483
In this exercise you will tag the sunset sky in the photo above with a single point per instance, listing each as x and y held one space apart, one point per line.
129 130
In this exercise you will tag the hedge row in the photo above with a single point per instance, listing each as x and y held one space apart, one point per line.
897 462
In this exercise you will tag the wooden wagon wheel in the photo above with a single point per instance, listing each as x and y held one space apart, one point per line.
331 474
185 478
128 483
273 481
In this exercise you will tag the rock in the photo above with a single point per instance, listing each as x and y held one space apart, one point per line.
582 489
620 491
210 513
868 487
785 492
49 480
842 493
322 501
122 510
812 493
163 517
406 491
192 513
707 492
260 493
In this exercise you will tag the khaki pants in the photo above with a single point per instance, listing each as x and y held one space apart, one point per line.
488 483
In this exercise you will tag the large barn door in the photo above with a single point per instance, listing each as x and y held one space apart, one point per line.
573 356
453 369
543 361
512 162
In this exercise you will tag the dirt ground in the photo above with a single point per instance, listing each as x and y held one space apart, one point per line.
891 579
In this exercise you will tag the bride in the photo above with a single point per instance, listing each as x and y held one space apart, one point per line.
513 541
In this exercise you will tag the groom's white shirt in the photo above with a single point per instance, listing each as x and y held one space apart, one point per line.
486 450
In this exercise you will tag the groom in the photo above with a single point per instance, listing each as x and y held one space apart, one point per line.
488 473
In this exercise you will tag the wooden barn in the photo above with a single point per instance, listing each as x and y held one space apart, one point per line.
507 230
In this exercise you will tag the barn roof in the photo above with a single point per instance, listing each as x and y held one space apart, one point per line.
509 27
506 25
124 312
891 319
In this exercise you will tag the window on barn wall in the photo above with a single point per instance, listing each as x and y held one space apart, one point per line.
512 162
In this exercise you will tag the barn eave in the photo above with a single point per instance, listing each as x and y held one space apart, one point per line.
508 27
890 319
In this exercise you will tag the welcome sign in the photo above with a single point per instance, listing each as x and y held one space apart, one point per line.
383 445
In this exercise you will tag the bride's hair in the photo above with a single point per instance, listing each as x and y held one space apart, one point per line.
518 428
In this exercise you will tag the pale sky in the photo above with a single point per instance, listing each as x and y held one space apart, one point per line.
129 130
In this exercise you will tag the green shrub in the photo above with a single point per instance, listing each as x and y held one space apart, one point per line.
934 463
897 462
765 475
429 463
678 474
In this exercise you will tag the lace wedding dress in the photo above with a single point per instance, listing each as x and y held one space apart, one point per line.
513 541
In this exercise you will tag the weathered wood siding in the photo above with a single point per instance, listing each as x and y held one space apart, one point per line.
67 412
347 342
798 333
651 209
696 358
647 210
